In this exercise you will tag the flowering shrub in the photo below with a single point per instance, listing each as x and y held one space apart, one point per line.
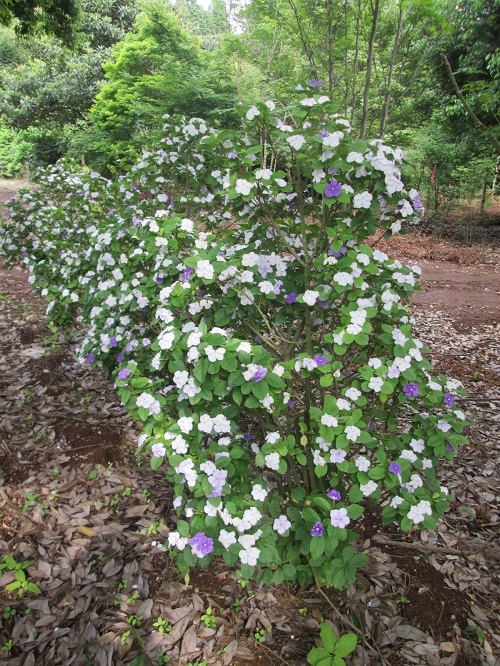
267 349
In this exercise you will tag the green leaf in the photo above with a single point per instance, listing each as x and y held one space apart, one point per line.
279 576
326 381
319 657
328 638
345 645
317 547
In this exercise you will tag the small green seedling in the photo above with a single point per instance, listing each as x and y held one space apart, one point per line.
208 619
334 649
260 635
162 626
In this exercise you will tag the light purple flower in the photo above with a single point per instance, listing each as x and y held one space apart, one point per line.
185 275
316 84
411 390
333 189
333 494
201 545
395 468
320 360
259 375
448 399
317 530
338 254
120 357
113 342
291 297
89 358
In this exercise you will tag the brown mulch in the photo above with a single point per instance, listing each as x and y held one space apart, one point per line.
75 500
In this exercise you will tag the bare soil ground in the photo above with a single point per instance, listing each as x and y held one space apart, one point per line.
89 517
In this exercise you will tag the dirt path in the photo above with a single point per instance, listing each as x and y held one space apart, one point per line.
470 295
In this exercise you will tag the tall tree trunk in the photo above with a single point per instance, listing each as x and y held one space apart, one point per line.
388 91
480 125
371 43
355 63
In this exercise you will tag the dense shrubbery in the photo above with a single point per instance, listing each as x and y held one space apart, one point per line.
226 285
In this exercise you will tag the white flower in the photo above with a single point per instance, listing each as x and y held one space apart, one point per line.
263 174
244 347
272 437
205 424
415 515
249 556
180 378
158 450
375 384
215 355
204 269
270 105
418 445
353 394
362 200
323 99
343 278
362 463
278 370
185 424
226 538
333 140
273 461
310 297
396 501
443 425
296 141
259 493
339 518
337 456
355 157
329 421
416 481
368 488
309 101
408 455
343 405
252 112
243 186
281 524
187 225
266 287
309 364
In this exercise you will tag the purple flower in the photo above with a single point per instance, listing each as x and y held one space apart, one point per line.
317 84
252 157
159 280
291 297
322 304
185 275
248 438
323 134
120 357
333 494
395 468
201 544
128 348
89 358
233 154
333 189
449 447
448 399
259 374
291 404
320 360
123 374
113 342
317 530
411 390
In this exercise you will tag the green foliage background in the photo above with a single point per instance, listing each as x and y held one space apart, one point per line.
95 77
